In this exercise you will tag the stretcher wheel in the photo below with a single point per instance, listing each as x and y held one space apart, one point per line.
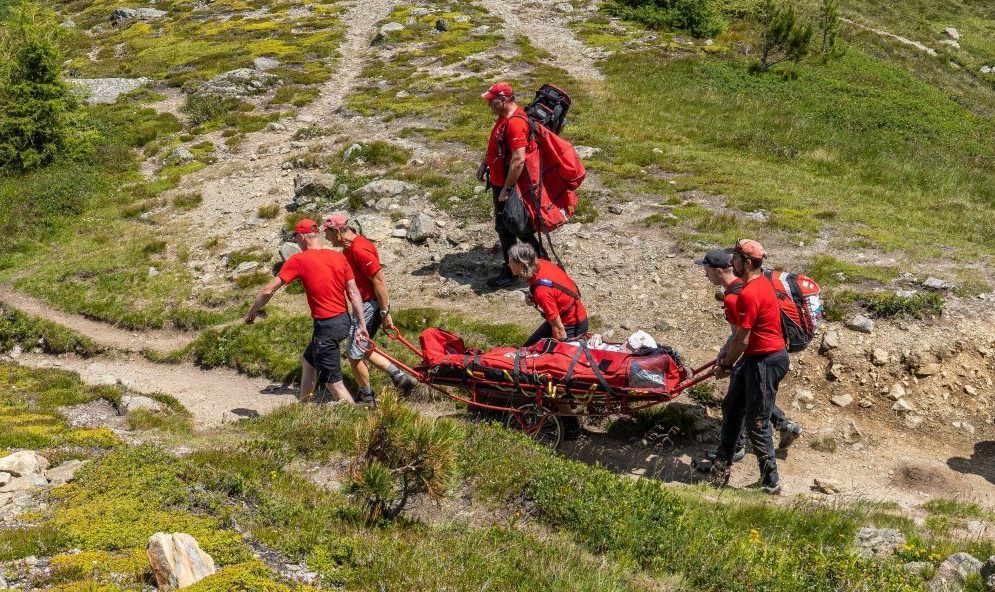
538 423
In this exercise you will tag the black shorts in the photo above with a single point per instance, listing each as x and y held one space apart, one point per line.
323 352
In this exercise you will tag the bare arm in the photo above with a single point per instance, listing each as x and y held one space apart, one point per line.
264 296
735 349
482 170
383 298
357 308
559 331
515 167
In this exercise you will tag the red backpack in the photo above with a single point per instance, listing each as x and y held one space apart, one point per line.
552 173
801 306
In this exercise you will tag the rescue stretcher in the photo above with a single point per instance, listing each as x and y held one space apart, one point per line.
535 387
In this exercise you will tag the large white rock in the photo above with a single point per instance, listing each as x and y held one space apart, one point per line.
64 473
136 402
105 91
24 462
954 572
177 560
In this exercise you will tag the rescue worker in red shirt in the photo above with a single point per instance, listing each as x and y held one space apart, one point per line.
364 259
504 161
718 270
553 293
756 360
328 280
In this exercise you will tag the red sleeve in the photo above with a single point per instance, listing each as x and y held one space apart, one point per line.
729 304
546 301
516 134
346 269
368 261
290 270
746 308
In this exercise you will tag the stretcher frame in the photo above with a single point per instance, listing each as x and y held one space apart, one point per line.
536 409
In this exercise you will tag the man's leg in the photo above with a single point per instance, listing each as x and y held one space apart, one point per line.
787 429
761 392
328 356
507 239
733 411
339 392
308 382
358 352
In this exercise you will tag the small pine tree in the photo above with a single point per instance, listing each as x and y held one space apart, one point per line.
829 27
786 37
40 115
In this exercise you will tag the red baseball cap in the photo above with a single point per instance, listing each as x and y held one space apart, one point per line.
335 222
501 89
750 248
306 226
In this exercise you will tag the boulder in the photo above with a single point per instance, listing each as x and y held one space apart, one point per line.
988 573
987 69
238 83
902 406
913 421
954 572
878 542
247 266
105 91
830 341
850 432
586 151
963 425
349 152
136 402
860 324
177 560
897 392
949 43
842 400
951 33
421 228
288 249
24 462
565 7
65 472
26 482
181 154
264 63
826 487
314 185
391 27
126 15
880 357
386 188
937 284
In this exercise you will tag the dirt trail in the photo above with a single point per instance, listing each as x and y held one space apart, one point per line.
903 40
102 334
213 396
546 28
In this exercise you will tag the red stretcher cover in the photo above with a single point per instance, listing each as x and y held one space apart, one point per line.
570 363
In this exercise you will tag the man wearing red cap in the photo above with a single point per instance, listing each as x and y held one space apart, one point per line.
327 279
364 259
508 147
757 360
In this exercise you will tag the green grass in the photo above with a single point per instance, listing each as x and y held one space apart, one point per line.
856 143
829 271
29 332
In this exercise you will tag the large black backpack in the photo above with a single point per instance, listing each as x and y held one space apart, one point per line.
550 108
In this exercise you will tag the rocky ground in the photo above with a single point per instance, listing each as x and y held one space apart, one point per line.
893 411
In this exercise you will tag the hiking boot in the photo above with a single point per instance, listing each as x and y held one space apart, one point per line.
370 402
774 489
406 384
737 456
789 433
571 427
504 280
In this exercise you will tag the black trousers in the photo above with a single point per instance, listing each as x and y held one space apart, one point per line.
750 401
545 331
508 238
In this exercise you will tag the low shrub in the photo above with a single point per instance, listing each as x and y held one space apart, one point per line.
268 211
187 201
701 18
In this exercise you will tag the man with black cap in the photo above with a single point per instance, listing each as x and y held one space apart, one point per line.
508 147
327 279
718 271
756 360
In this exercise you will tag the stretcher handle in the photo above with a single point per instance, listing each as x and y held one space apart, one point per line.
698 371
395 334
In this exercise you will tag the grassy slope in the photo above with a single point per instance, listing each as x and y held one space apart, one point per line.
84 235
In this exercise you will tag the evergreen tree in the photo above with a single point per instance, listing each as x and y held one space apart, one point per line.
829 27
40 115
786 37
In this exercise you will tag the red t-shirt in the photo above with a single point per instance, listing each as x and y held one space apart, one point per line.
552 301
758 310
365 262
324 274
515 136
729 300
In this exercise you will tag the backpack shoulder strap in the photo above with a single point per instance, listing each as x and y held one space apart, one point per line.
573 293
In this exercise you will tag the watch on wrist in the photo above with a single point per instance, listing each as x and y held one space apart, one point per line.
384 312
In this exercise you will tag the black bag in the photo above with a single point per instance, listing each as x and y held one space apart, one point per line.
550 108
516 219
